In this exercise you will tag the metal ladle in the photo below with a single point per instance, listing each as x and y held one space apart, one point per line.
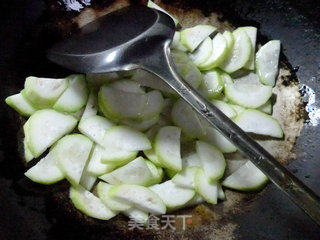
140 37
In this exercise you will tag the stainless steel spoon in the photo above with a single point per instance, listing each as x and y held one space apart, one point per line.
140 37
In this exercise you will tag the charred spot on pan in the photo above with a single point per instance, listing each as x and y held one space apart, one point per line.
292 77
289 80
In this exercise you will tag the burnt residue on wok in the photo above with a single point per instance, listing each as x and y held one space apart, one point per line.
36 212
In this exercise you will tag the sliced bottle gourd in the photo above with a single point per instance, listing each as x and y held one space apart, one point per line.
44 92
229 38
180 57
221 194
170 173
167 147
242 72
212 84
116 156
87 179
152 132
252 34
91 108
155 6
187 69
137 215
226 78
239 55
190 73
205 188
95 166
238 108
72 152
147 79
233 165
26 134
218 54
89 204
95 127
192 37
78 114
212 160
27 153
126 138
247 78
160 173
202 53
176 43
247 178
45 127
152 156
215 138
103 190
196 200
187 119
135 172
185 178
257 122
75 96
28 156
157 173
267 60
46 171
247 93
116 104
224 99
139 197
150 153
173 196
141 125
127 86
225 108
154 105
266 108
191 160
22 105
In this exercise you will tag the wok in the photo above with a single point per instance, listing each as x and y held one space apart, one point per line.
29 211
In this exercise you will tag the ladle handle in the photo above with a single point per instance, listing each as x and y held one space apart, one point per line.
162 65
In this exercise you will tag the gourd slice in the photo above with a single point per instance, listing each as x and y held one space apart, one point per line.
257 122
172 195
192 37
45 127
72 152
22 105
44 92
75 96
89 204
167 147
140 197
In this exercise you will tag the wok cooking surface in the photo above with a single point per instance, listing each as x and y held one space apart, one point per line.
28 211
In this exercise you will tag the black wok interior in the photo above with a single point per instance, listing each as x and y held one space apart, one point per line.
28 212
